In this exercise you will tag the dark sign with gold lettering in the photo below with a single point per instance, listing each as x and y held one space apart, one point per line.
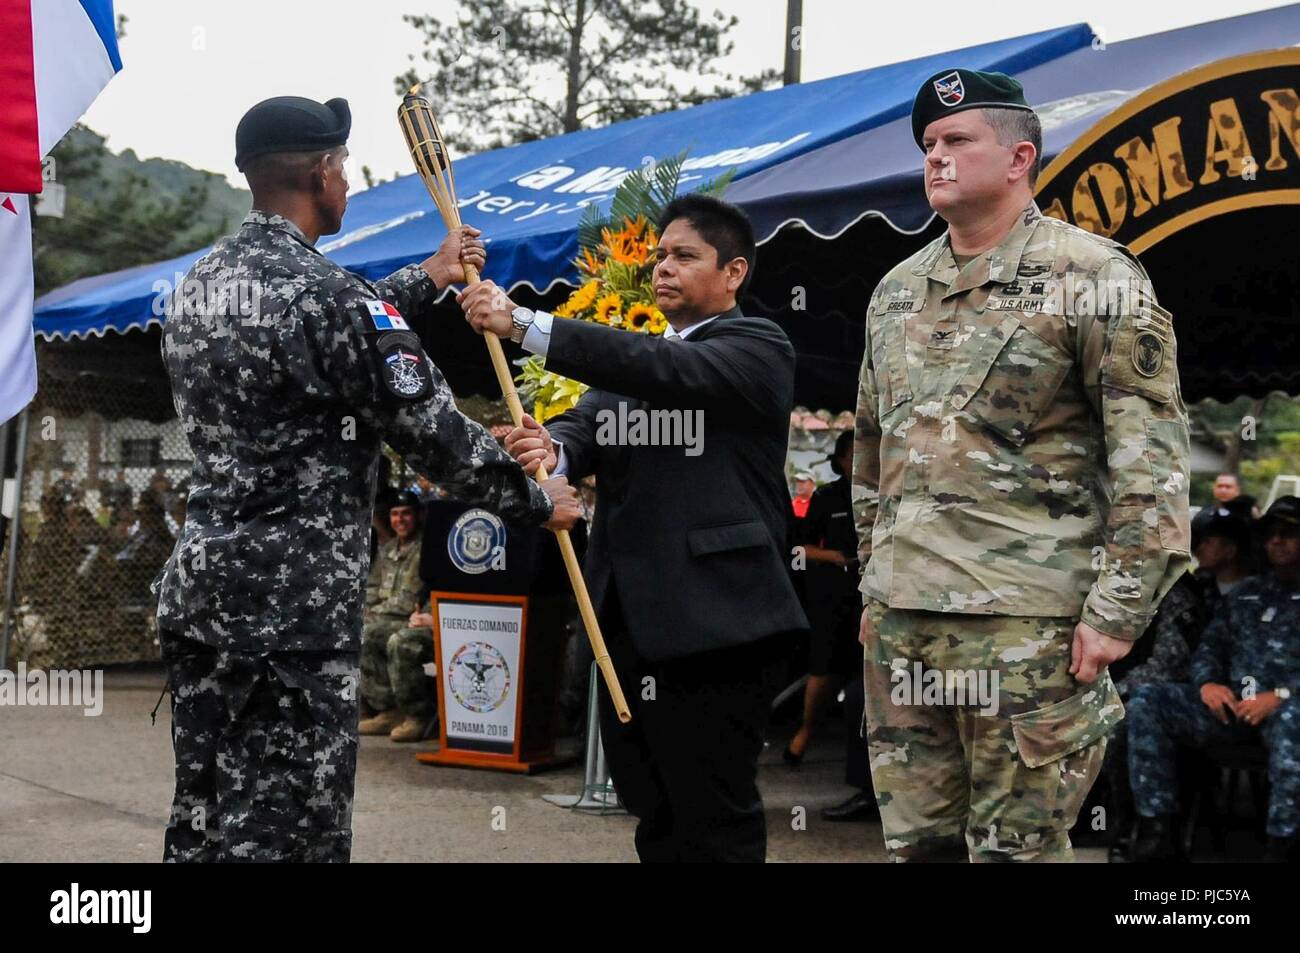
1214 140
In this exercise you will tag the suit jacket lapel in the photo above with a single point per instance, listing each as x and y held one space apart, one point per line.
620 454
712 326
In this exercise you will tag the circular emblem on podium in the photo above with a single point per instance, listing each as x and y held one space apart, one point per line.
475 541
478 677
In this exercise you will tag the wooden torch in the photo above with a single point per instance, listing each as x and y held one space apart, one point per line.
429 152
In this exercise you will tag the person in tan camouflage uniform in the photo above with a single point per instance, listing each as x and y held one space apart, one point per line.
393 651
1020 494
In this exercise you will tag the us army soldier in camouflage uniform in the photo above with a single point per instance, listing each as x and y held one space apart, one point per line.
1020 492
393 652
287 372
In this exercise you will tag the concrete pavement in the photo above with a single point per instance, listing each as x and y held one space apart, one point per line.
98 789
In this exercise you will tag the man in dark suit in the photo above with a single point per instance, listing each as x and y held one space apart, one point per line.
686 434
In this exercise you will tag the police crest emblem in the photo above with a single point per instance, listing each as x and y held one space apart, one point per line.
404 370
403 366
477 541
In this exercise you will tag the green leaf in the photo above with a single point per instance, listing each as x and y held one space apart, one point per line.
593 220
716 187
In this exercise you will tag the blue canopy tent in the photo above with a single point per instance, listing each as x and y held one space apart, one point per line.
834 159
828 189
528 198
863 197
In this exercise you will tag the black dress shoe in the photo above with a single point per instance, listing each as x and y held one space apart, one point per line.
790 758
860 807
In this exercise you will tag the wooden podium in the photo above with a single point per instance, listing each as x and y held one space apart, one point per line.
489 714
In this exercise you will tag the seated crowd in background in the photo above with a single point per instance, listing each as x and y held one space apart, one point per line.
1239 692
1225 555
82 569
1217 666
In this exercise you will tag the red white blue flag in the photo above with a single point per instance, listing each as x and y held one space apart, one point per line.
17 351
55 57
385 317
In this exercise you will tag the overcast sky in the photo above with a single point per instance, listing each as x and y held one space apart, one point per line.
192 67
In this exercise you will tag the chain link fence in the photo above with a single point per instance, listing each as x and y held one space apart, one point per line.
103 495
104 483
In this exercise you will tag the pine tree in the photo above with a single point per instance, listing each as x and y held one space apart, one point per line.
117 217
614 60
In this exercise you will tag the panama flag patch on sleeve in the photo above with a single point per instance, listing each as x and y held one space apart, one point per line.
385 317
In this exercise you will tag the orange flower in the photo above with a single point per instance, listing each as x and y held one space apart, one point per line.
637 229
589 262
624 247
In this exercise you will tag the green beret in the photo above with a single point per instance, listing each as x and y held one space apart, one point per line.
291 124
954 90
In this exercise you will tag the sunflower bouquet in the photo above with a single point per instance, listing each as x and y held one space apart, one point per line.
614 270
615 291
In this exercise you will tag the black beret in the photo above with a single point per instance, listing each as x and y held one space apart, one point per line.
291 124
954 90
408 498
1222 523
1285 510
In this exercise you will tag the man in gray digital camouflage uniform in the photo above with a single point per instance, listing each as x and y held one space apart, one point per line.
1020 492
287 372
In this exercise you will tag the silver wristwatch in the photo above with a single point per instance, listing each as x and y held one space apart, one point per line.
521 319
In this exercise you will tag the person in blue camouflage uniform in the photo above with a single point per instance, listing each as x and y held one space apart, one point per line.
1244 676
287 372
1161 655
1224 552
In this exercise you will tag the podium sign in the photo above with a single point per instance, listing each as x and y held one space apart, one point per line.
479 652
479 644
